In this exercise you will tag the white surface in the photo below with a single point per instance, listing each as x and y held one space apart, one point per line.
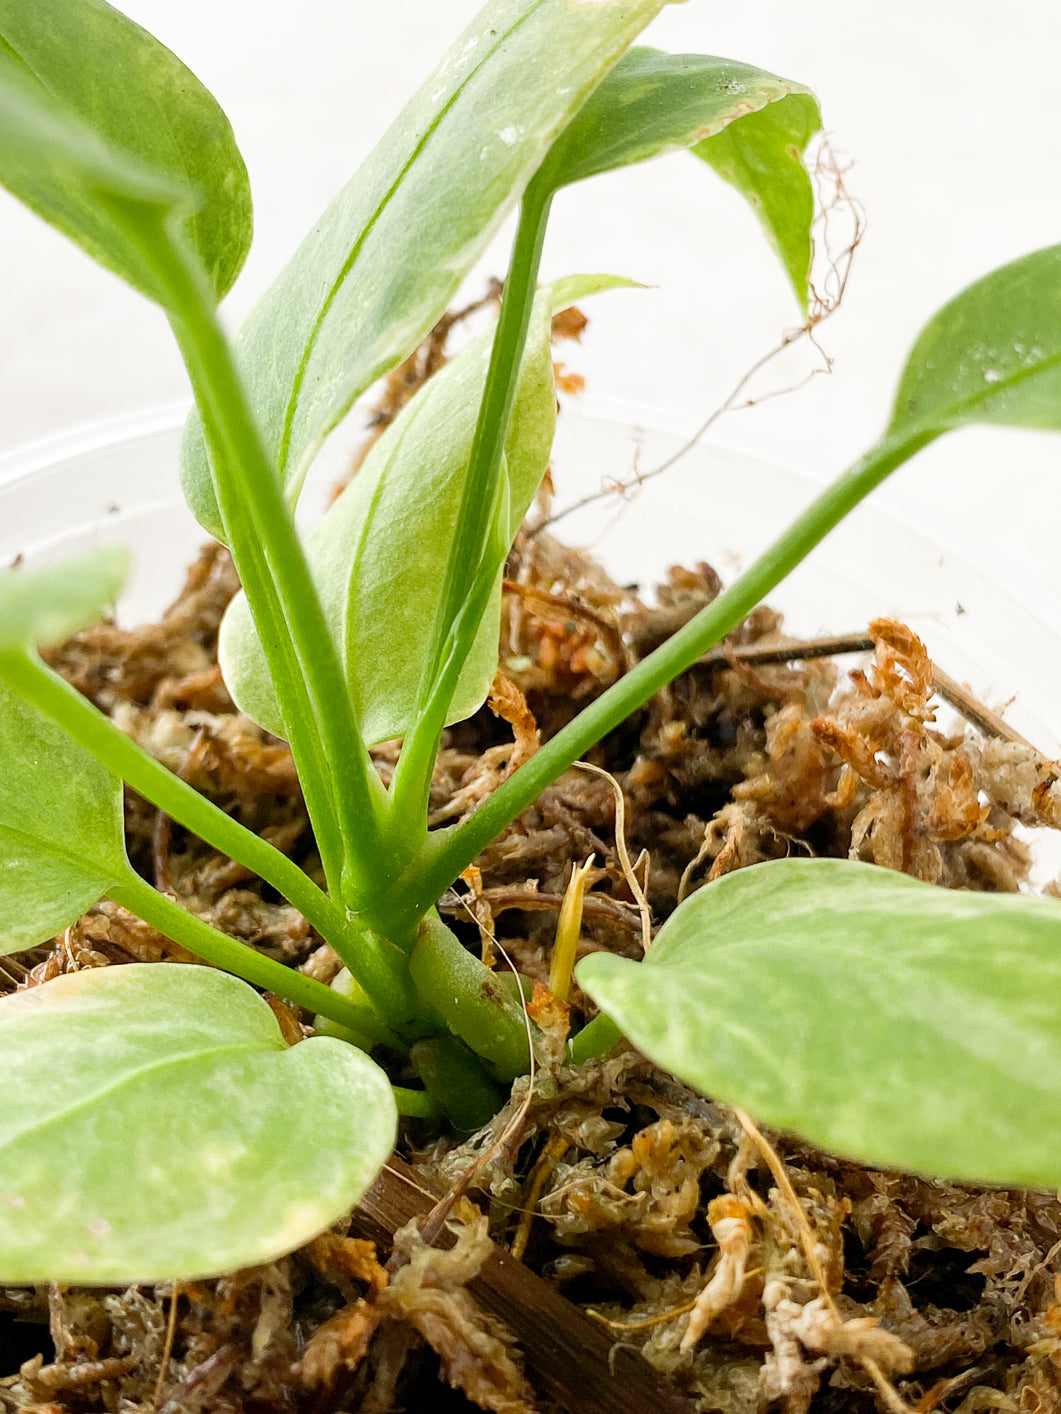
949 111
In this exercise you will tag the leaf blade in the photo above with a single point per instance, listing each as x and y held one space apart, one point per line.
892 1021
749 125
46 606
62 832
360 293
761 156
163 1128
111 205
158 114
990 355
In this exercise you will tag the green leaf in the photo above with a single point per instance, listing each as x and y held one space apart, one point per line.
749 125
383 262
762 157
62 835
896 1022
378 554
157 1126
113 206
993 354
136 97
47 606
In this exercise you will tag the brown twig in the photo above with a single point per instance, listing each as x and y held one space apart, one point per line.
167 1348
952 692
825 300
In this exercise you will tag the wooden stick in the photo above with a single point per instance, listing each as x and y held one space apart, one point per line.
569 1358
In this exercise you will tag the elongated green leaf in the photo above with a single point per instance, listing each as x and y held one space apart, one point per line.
47 606
136 97
158 1126
378 554
993 354
383 262
749 125
62 839
892 1021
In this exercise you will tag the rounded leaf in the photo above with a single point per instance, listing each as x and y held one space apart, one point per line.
157 1126
892 1021
62 833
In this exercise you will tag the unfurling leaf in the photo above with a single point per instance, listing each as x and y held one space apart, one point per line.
383 262
103 75
888 1020
158 1126
378 555
749 125
993 354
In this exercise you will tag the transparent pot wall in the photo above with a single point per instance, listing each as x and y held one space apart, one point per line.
982 622
112 482
117 481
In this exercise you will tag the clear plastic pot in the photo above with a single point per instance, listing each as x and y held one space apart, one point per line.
983 623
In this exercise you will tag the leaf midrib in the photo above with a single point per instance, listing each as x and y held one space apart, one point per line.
945 422
333 293
129 1077
112 870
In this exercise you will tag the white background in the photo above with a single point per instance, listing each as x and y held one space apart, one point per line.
948 109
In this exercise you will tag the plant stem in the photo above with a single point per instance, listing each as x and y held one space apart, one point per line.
343 794
455 628
416 1104
378 966
451 850
595 1039
161 912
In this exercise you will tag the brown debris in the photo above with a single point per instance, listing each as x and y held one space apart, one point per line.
475 1349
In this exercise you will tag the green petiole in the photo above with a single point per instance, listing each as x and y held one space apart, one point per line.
215 947
450 851
344 796
454 629
378 964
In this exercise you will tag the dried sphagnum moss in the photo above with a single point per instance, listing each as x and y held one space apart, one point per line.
619 1182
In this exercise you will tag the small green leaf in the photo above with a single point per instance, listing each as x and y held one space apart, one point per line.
892 1021
136 97
751 126
993 354
378 554
383 262
62 834
47 606
157 1126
